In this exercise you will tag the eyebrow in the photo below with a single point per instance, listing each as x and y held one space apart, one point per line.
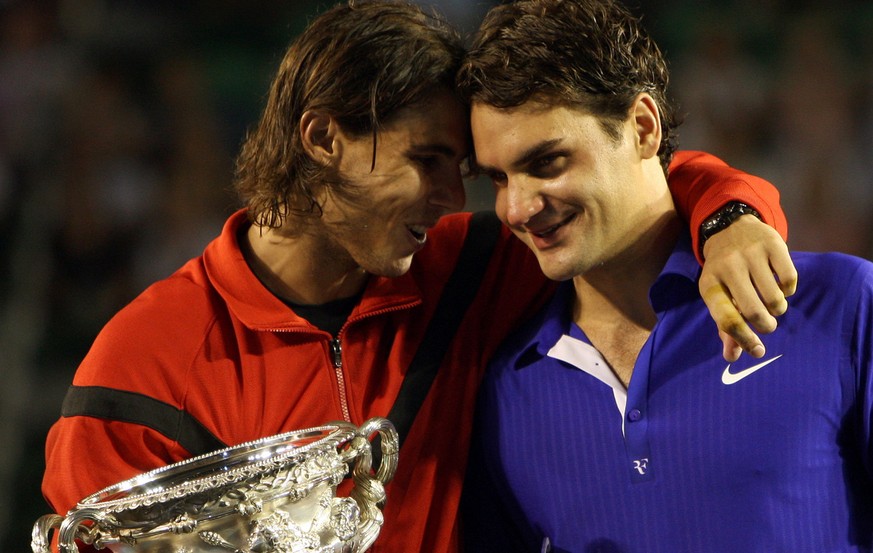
526 156
434 148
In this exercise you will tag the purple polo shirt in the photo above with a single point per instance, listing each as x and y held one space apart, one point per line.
696 455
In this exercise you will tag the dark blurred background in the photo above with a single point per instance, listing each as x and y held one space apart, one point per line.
120 119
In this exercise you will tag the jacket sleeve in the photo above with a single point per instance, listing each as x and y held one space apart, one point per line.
85 454
701 184
137 358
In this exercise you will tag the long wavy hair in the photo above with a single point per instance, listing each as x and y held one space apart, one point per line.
360 62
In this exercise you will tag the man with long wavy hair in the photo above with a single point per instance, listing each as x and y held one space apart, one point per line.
326 294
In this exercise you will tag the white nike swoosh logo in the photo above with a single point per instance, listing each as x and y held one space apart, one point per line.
728 378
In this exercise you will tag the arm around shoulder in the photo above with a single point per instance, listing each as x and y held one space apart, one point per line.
702 184
748 273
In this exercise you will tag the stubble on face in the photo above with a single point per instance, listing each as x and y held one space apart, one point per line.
379 218
555 171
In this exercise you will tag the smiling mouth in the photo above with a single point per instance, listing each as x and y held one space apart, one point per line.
552 229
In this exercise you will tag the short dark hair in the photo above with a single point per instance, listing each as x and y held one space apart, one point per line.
588 53
360 62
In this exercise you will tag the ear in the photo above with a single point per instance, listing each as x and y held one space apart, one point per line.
318 133
647 122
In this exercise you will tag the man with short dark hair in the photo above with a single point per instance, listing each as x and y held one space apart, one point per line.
347 271
610 422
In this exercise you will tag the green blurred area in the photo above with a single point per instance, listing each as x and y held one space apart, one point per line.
120 119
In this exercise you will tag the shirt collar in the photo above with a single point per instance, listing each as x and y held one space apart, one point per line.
676 284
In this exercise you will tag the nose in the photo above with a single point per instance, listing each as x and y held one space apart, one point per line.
519 200
448 191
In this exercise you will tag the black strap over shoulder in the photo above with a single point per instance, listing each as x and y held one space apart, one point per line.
457 296
118 405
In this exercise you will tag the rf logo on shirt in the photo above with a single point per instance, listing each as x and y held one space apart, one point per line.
641 465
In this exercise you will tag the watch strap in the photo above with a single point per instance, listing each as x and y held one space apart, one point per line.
723 218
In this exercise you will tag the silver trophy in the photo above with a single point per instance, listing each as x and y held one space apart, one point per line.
273 495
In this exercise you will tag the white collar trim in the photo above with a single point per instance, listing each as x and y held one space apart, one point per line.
586 358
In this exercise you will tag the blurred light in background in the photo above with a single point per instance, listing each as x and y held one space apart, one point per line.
120 119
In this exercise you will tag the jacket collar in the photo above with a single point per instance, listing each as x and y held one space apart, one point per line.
257 308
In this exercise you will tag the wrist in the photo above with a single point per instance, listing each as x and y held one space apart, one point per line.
722 219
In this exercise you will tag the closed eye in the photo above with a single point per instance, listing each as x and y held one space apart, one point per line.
426 162
547 166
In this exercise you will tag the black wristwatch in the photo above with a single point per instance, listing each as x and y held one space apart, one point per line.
723 218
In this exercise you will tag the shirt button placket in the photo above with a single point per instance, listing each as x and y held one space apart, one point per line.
637 446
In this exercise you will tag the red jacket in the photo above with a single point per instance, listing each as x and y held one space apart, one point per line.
213 344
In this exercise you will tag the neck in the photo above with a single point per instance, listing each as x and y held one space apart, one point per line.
612 302
619 289
299 269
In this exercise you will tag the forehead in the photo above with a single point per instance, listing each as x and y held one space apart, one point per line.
501 133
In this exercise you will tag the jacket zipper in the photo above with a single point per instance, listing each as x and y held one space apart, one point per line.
336 350
336 354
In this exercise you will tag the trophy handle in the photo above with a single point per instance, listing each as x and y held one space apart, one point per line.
69 529
41 534
369 489
390 446
73 527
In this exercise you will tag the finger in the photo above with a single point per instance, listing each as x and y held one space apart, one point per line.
730 321
731 350
785 272
748 302
769 291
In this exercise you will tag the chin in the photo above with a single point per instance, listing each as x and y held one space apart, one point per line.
558 276
395 268
557 271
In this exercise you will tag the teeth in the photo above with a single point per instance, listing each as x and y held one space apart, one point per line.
554 227
547 231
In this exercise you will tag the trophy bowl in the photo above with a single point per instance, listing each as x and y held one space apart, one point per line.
274 495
